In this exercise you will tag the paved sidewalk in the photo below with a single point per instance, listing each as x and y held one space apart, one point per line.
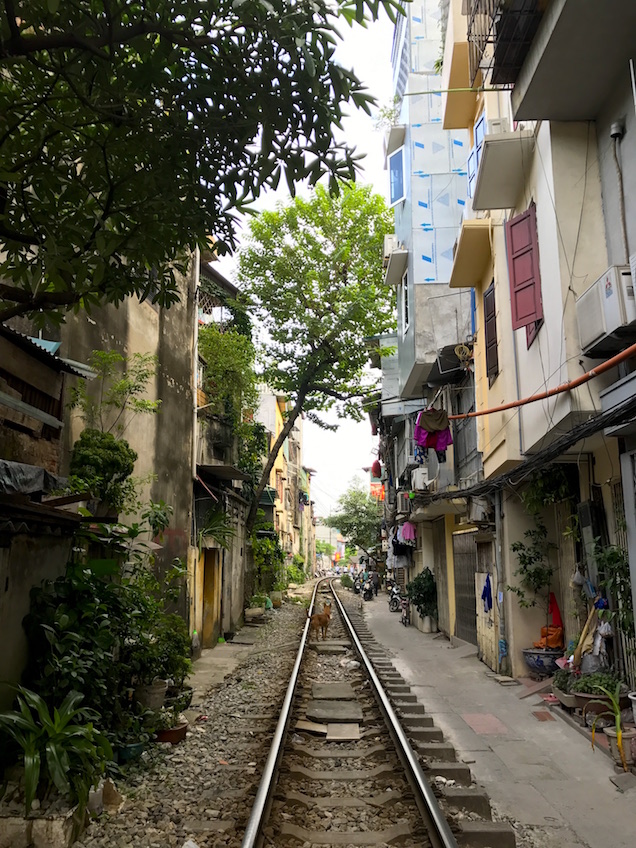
540 773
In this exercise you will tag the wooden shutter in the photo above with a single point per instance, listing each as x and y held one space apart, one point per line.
490 333
523 269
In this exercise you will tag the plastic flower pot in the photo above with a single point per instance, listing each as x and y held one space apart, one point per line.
174 735
152 695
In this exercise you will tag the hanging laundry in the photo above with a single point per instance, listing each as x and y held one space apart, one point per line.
486 594
441 456
376 469
408 532
432 429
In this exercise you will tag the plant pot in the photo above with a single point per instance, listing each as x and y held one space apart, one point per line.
174 735
276 599
542 661
179 696
129 752
152 695
565 698
598 703
629 733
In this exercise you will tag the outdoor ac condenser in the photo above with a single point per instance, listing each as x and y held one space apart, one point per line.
403 502
420 479
606 313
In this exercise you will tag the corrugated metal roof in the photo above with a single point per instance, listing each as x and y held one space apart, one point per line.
32 347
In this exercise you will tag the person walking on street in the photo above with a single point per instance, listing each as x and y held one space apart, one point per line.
375 580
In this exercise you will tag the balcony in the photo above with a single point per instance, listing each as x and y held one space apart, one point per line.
502 169
458 107
472 254
500 33
580 48
616 395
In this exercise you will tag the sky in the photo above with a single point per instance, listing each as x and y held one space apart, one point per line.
339 457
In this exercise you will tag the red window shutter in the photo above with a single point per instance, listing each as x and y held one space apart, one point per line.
490 333
523 269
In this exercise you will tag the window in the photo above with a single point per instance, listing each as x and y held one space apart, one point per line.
475 153
405 303
397 183
490 334
523 270
279 485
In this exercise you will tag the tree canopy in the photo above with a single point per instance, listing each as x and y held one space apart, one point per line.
312 273
130 132
358 517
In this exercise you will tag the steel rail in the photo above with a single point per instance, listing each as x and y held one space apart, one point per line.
263 795
445 837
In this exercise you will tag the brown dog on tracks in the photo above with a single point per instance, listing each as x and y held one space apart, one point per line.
320 621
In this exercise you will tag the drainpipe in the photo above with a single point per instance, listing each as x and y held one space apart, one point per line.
502 642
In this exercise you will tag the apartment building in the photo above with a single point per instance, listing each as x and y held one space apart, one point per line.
544 246
428 362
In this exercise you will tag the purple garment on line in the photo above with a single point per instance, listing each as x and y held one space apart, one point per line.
437 441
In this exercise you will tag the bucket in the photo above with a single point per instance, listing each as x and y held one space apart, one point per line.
632 698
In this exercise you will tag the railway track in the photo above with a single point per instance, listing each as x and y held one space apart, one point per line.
355 760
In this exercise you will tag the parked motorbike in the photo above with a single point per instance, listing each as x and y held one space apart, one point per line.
394 598
357 585
367 590
405 618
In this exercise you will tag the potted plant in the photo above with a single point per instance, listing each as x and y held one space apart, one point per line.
132 735
171 726
591 689
619 737
561 683
60 748
276 595
174 660
422 592
144 662
535 580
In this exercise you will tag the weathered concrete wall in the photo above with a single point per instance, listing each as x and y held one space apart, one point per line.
24 563
163 441
619 107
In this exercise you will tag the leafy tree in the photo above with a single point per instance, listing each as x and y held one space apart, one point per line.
325 548
130 131
230 380
116 390
358 518
313 273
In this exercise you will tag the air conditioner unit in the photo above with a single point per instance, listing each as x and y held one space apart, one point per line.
606 313
419 479
403 502
390 244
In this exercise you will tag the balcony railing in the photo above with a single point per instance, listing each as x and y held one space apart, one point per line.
500 33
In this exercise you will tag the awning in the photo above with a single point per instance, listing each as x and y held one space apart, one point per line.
223 472
268 498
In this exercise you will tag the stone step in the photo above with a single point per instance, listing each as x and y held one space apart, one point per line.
476 834
459 772
410 709
437 751
472 800
404 698
427 734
